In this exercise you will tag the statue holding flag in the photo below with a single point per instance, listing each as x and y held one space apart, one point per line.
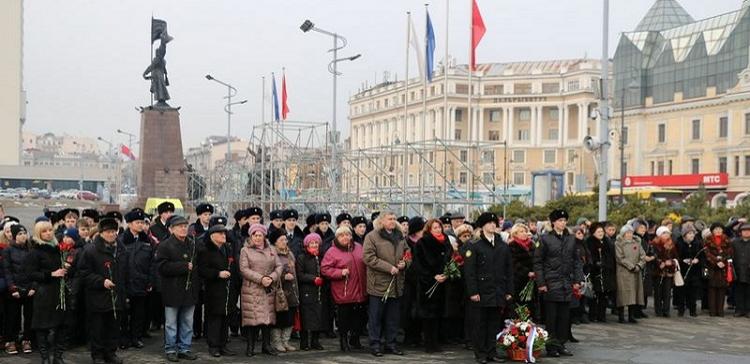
157 70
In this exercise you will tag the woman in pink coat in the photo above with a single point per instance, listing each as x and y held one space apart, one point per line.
344 266
260 267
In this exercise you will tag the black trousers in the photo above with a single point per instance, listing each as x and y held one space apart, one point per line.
687 296
155 312
742 297
716 300
350 318
557 324
103 333
598 305
662 295
137 313
217 329
486 324
198 315
15 310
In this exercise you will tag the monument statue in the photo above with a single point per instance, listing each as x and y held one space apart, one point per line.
157 70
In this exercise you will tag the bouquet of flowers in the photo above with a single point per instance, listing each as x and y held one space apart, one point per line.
452 271
406 259
65 253
521 338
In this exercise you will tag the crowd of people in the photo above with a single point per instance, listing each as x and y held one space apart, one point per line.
109 281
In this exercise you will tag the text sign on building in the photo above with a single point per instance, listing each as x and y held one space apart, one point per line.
679 180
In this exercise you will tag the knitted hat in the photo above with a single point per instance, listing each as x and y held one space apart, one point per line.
626 228
311 238
687 229
662 230
72 233
343 230
416 224
274 235
257 228
17 229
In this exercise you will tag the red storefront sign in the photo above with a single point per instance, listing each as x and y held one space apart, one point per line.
679 180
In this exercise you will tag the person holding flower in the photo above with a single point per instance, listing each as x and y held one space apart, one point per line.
45 267
631 261
383 254
691 264
667 257
311 293
522 254
103 270
488 273
344 266
603 271
718 253
431 255
741 263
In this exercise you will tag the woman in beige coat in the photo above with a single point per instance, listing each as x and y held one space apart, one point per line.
260 267
631 259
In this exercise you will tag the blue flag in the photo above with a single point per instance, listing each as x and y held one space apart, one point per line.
430 48
275 98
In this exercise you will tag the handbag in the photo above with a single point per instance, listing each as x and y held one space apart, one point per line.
588 287
280 302
678 281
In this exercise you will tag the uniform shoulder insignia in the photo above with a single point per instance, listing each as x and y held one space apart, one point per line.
468 253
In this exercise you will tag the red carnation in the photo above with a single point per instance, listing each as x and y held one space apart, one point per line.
107 264
407 256
231 260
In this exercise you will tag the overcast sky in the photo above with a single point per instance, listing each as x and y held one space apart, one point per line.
83 59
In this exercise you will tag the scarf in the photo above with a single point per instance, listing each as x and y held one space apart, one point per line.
525 244
313 252
717 240
439 237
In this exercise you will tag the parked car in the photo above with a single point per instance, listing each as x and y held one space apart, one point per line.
86 195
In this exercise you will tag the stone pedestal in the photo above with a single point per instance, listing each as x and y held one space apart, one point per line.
161 168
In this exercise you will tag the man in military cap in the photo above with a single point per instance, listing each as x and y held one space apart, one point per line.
277 220
404 222
446 221
159 227
200 226
255 215
69 218
559 271
294 235
344 219
139 259
92 215
359 226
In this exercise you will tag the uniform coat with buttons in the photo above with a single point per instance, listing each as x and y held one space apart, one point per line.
488 268
211 261
102 261
558 266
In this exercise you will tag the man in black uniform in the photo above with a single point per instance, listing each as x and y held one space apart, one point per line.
558 272
138 260
197 230
344 219
200 226
103 271
277 221
159 227
488 274
294 235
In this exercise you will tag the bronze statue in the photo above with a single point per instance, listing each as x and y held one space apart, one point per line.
157 70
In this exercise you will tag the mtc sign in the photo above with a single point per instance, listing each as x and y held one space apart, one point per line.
710 180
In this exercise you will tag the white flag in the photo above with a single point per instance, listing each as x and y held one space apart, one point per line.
414 41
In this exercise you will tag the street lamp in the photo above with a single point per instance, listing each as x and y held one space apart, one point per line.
131 137
112 153
332 68
231 92
633 85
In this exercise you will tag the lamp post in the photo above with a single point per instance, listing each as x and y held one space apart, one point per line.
333 69
633 85
79 146
231 92
112 158
131 137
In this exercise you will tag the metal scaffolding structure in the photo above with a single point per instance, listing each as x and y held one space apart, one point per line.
289 164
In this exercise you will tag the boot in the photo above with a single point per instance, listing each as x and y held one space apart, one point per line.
285 335
621 315
344 341
252 334
276 342
43 343
267 348
631 314
354 341
304 340
315 342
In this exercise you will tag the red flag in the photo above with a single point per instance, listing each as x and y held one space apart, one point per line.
477 32
284 106
127 152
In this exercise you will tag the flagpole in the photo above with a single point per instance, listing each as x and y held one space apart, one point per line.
281 127
275 110
468 109
151 45
424 115
446 119
406 116
262 142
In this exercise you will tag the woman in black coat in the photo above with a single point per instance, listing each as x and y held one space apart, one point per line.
522 253
430 257
45 268
214 269
20 290
691 265
603 273
311 294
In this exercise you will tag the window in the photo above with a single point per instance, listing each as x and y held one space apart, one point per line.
747 165
553 134
736 165
522 88
722 164
488 157
660 168
457 134
432 157
723 127
495 115
463 155
462 178
494 90
494 135
574 85
571 179
653 169
524 115
747 124
411 96
670 167
519 178
625 135
695 166
519 156
462 89
696 130
662 131
550 156
625 167
459 115
488 178
554 114
522 134
572 155
550 88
